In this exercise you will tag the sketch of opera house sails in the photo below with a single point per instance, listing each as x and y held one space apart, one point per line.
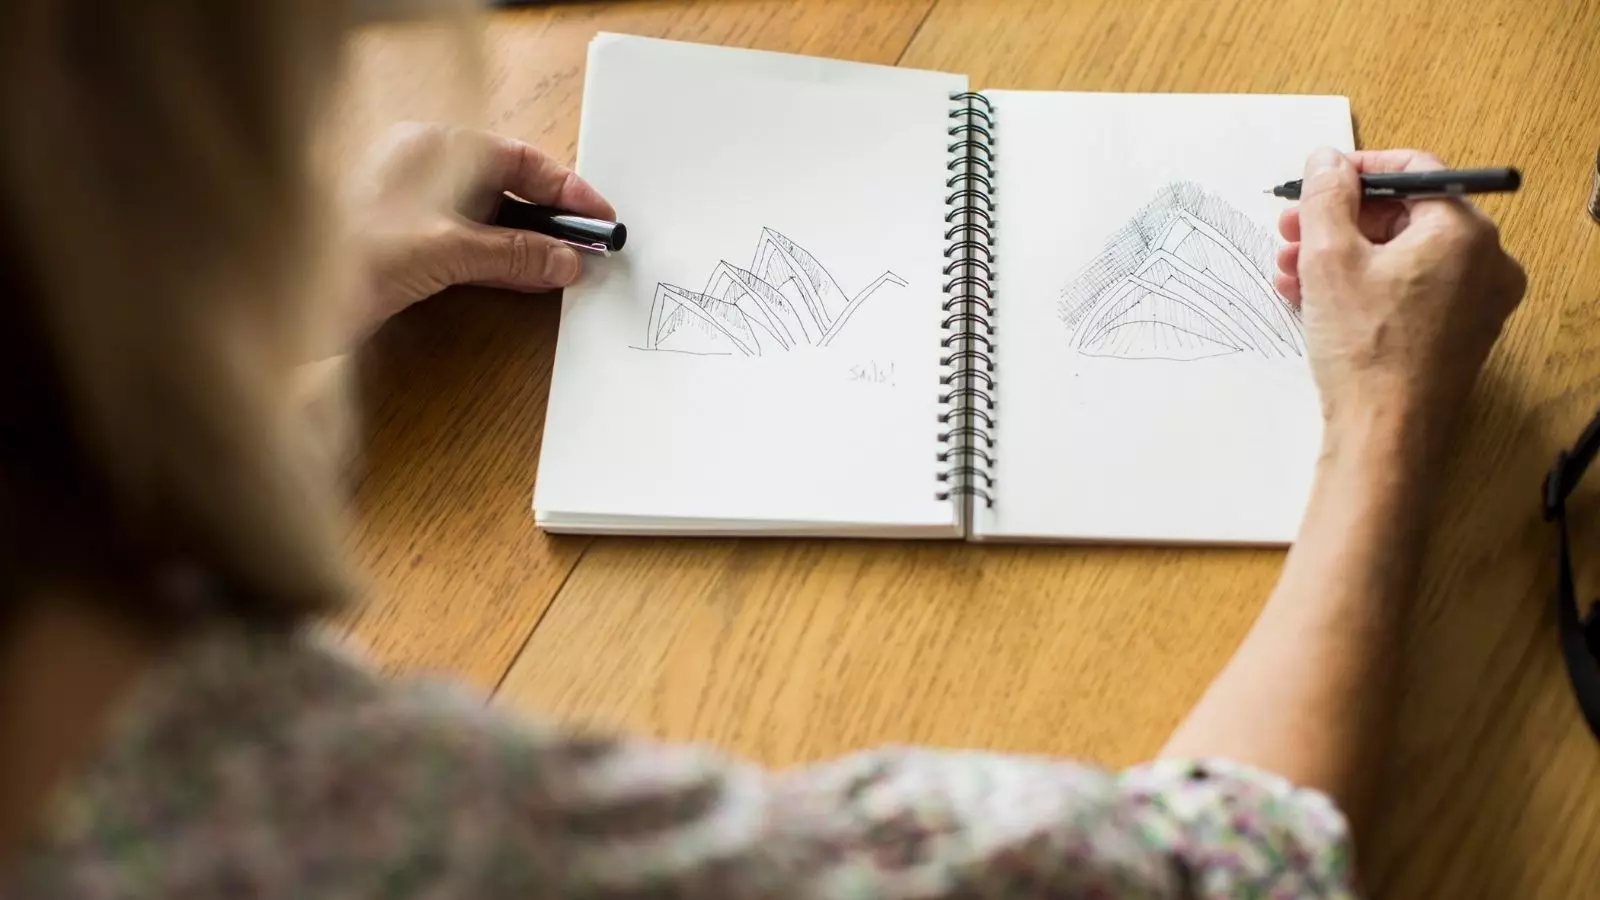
783 301
1186 278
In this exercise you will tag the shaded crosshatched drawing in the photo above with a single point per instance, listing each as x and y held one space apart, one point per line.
784 300
1186 278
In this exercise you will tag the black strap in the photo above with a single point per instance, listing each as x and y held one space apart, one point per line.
1579 632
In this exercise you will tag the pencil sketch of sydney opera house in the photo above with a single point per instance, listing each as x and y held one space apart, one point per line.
1187 278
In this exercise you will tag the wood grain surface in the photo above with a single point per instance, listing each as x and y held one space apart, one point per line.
789 651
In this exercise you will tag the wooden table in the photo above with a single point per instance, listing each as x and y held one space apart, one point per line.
788 651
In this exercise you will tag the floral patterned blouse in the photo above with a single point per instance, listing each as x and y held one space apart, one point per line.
260 766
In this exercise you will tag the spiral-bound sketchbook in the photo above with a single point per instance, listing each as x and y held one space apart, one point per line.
861 300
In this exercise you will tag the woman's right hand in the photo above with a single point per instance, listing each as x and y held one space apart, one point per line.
1401 301
1401 304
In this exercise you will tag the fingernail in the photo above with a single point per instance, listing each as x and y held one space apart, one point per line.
1322 160
561 266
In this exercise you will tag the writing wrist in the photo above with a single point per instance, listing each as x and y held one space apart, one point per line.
1398 445
1373 496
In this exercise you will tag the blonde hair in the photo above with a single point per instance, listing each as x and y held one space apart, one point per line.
167 251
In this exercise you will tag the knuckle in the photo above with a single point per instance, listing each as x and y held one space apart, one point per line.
1488 230
520 262
413 126
1459 233
411 132
1483 237
1460 238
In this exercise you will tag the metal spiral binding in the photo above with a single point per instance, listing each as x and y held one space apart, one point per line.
967 385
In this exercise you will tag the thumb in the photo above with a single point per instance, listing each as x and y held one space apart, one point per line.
1330 201
512 258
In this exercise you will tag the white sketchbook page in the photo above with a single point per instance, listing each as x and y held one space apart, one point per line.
1103 434
700 149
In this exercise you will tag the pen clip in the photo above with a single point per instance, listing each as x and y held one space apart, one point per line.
595 247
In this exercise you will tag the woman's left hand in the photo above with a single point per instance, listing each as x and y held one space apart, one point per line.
420 209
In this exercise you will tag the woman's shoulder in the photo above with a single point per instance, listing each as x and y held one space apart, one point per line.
282 765
251 760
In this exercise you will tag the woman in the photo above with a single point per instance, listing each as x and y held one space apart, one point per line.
174 275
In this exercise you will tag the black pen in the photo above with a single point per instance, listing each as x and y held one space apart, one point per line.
1414 185
590 235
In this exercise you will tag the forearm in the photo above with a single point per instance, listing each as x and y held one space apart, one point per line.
1310 693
